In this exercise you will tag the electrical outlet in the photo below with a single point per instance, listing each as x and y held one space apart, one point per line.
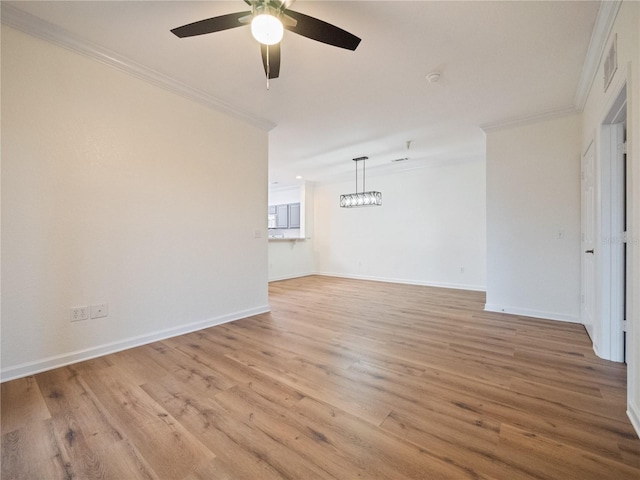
79 313
100 310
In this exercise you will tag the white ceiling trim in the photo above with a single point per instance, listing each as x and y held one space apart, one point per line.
36 27
528 119
601 30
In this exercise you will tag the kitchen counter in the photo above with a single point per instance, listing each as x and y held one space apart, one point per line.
279 239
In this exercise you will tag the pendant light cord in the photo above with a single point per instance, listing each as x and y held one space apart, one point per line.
364 169
364 172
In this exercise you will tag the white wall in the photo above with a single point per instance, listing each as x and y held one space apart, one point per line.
289 194
533 219
114 190
598 104
430 226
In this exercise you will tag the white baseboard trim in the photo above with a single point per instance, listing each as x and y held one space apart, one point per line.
634 415
289 277
526 312
456 286
31 368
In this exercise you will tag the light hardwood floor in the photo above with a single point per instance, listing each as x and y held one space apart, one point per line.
343 379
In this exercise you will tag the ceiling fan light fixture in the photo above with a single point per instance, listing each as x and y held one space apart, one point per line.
267 29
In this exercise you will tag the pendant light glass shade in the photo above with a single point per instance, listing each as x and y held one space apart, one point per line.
267 29
361 199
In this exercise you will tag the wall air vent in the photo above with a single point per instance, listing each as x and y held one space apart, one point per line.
611 62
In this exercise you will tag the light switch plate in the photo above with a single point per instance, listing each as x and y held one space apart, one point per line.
100 310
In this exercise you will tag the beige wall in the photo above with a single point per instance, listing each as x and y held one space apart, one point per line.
116 191
533 219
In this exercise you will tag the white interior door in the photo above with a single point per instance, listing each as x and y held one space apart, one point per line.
616 237
588 280
610 247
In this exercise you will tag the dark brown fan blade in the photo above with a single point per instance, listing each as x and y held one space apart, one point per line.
272 68
210 25
324 32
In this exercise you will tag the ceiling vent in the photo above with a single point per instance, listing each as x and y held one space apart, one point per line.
403 159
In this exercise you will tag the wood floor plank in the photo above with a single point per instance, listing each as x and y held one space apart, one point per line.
95 456
244 450
33 452
585 403
425 401
549 459
311 383
282 423
343 379
261 384
534 413
26 401
383 456
173 451
86 431
454 446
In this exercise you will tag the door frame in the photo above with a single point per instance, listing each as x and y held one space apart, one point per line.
610 260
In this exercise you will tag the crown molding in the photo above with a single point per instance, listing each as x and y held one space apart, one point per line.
597 44
528 119
34 26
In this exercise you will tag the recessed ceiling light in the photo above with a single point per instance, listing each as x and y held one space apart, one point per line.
298 177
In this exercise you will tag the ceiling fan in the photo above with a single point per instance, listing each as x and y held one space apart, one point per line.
268 19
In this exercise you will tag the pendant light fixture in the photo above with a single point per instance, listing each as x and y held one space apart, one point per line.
361 199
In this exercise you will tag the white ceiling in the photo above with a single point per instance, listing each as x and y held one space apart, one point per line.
500 61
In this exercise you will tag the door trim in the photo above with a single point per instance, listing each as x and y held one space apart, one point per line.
610 262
